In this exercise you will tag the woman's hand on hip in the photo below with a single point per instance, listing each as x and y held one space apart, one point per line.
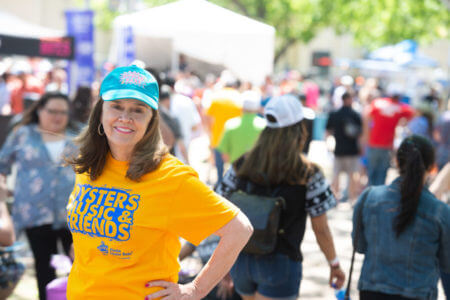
172 291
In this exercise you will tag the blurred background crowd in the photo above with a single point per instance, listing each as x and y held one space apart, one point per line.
367 75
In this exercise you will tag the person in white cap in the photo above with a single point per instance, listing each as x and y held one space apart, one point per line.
276 167
242 132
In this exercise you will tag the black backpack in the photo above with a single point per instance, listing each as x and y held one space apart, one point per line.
264 212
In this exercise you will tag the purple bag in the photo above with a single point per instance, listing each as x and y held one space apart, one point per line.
57 288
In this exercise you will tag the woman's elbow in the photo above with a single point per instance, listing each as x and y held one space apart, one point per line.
237 231
247 228
242 229
7 239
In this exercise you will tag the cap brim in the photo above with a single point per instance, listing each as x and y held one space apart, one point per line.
129 94
283 123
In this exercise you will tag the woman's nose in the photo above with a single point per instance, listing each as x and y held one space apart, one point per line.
125 116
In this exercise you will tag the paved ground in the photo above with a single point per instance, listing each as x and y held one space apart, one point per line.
314 285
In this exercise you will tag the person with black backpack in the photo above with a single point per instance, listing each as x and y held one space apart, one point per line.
277 188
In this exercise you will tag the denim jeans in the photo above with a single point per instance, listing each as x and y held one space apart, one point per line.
378 160
219 165
273 276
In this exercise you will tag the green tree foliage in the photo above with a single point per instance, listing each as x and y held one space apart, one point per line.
104 13
373 23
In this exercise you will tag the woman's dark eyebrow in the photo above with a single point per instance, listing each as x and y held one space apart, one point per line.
140 103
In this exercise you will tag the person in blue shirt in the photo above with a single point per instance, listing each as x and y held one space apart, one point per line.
405 231
36 146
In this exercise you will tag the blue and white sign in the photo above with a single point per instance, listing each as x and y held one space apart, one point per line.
80 26
126 52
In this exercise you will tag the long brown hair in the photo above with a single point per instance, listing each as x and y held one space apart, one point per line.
277 157
146 157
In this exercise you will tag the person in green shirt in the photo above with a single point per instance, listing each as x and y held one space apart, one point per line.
241 132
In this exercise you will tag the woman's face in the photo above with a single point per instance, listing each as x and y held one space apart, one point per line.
54 116
125 122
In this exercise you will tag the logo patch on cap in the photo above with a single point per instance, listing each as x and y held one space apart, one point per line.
132 77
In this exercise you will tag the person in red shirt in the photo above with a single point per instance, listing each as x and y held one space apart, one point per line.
383 116
25 89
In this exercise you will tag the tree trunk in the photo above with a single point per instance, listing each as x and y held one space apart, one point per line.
241 6
261 9
284 47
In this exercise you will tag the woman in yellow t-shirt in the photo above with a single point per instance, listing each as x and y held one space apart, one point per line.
132 201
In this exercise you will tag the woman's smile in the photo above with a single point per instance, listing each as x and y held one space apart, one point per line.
123 130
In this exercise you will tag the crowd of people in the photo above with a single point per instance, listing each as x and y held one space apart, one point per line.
107 172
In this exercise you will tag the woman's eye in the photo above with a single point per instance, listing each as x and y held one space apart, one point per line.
138 110
118 107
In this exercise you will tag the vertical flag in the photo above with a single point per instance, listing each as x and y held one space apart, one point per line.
126 48
80 26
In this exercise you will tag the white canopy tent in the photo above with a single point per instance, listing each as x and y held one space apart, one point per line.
204 31
15 26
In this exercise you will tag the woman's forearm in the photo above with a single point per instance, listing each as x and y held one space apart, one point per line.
234 236
323 236
7 235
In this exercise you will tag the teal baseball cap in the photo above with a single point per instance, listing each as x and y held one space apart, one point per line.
130 82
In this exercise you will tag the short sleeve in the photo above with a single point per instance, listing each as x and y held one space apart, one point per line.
211 111
408 112
197 212
319 197
228 184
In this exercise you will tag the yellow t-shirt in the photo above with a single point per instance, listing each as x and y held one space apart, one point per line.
223 107
126 233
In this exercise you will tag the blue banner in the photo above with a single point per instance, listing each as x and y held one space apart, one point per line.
126 48
80 26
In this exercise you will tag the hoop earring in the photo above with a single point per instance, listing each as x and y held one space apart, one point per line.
100 130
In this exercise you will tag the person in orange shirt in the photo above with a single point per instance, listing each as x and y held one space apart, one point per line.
132 201
224 106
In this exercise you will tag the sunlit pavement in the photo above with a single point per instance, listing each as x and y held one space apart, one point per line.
314 284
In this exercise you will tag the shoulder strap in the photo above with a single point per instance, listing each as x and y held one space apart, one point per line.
358 229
